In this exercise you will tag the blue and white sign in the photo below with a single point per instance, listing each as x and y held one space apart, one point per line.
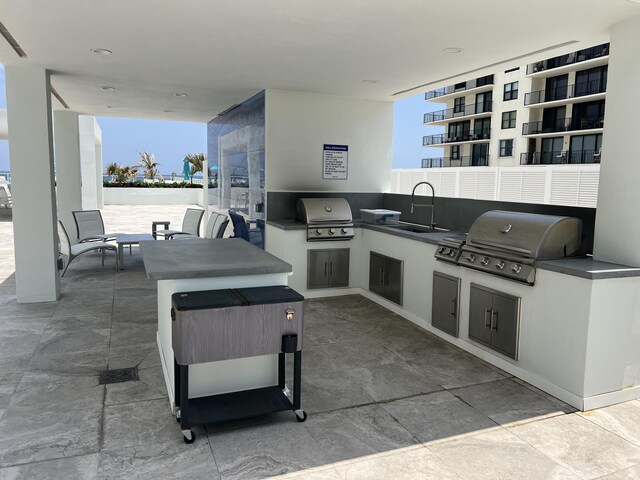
335 162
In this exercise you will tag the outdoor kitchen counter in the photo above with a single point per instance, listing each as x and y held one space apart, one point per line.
427 237
211 264
206 258
587 267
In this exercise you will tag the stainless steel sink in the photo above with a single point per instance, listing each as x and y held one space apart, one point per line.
412 228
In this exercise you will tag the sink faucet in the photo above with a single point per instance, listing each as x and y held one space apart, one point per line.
432 206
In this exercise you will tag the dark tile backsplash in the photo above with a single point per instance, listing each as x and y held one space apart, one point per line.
282 205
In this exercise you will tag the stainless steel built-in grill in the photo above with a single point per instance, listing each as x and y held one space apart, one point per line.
326 218
509 243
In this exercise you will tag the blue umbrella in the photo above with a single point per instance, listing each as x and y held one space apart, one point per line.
186 171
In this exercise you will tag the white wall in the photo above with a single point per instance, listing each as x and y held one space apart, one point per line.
152 196
299 124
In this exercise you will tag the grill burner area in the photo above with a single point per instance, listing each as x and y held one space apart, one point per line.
508 244
326 218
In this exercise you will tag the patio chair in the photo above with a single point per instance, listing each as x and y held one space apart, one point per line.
69 252
90 227
190 224
5 197
242 230
215 227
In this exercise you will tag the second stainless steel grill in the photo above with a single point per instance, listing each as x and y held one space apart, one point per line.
326 218
509 243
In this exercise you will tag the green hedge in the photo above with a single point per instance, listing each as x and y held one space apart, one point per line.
139 184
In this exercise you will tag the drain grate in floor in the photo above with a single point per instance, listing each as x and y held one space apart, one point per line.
119 375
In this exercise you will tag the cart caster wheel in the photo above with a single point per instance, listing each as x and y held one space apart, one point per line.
178 415
189 437
301 415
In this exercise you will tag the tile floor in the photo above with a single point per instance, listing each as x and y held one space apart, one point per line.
385 399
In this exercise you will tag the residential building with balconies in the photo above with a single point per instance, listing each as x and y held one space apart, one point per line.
547 112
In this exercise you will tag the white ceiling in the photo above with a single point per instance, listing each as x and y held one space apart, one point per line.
221 52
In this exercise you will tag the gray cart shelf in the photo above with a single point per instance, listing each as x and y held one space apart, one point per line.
224 324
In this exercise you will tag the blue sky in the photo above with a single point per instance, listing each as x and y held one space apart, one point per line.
122 138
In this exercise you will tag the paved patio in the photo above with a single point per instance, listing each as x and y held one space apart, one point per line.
385 399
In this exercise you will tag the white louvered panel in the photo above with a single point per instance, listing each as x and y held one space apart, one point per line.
564 187
404 185
588 189
395 176
448 184
468 184
533 184
510 186
433 177
486 185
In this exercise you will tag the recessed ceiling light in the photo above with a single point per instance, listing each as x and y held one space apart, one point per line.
108 88
167 111
370 82
179 94
109 106
102 51
453 50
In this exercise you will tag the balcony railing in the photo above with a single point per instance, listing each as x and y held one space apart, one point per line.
554 157
459 87
465 161
472 109
451 138
573 57
568 91
562 125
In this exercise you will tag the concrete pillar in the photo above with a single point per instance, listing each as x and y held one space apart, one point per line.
617 229
33 191
68 177
88 162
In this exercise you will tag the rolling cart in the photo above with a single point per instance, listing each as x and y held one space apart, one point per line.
234 323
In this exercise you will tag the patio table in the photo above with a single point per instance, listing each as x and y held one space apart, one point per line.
123 239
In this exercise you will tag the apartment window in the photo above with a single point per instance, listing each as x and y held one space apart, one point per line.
509 119
510 91
458 105
455 152
506 148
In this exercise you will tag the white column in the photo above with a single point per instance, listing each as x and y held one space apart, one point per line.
99 168
617 229
88 162
68 177
33 191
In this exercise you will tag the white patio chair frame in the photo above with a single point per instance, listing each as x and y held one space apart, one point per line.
190 224
70 252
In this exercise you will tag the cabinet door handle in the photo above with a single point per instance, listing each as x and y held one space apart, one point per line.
325 269
381 276
494 320
452 307
487 318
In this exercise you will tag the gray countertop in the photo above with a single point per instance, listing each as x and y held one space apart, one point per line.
224 257
584 267
587 267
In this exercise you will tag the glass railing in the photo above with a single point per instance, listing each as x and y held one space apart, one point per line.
457 112
565 92
568 59
459 87
562 125
452 138
559 157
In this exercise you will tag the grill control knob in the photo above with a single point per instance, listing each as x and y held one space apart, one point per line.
471 257
452 253
332 231
318 232
516 268
343 231
446 251
484 261
500 264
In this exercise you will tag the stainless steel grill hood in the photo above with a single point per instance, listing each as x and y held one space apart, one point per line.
509 243
326 218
